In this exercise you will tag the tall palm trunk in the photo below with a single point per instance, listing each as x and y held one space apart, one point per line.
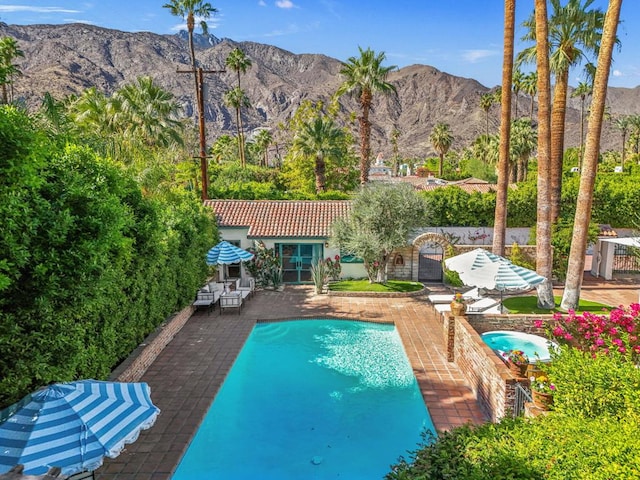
320 170
582 98
558 114
575 269
240 132
365 137
544 252
500 215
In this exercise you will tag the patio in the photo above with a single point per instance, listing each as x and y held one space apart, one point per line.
187 374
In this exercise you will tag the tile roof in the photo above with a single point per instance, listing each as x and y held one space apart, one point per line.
280 218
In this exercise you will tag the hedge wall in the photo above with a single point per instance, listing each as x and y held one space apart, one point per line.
88 264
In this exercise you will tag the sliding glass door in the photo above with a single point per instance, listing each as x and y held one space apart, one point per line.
297 259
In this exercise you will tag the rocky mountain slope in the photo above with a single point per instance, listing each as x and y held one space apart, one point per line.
66 59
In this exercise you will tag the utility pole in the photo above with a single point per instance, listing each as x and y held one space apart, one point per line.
203 138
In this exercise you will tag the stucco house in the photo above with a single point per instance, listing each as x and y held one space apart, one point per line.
299 230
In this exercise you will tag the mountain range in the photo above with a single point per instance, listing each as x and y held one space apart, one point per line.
67 59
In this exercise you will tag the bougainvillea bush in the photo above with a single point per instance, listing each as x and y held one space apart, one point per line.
589 332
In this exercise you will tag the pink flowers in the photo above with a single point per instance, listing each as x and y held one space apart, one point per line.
617 331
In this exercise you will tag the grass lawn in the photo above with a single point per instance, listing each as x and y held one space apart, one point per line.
365 286
529 304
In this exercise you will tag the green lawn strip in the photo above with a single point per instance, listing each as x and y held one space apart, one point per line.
529 304
365 286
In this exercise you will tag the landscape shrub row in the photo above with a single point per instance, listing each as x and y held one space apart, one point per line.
88 264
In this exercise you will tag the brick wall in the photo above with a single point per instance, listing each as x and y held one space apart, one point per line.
132 369
487 375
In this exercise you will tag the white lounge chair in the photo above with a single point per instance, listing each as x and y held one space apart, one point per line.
483 305
471 295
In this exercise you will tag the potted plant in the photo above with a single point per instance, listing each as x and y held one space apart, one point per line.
542 392
458 305
517 361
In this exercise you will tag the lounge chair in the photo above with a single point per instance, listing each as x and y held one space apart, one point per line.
483 305
471 295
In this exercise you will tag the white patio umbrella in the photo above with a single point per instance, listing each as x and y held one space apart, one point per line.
502 276
225 253
472 260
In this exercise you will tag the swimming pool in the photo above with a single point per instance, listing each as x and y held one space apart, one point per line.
311 399
534 346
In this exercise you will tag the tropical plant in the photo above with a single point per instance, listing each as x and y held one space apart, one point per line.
583 90
542 384
486 102
238 61
189 10
575 269
623 124
441 139
395 135
319 275
237 99
365 76
263 140
544 252
522 145
574 31
9 51
319 139
530 87
500 218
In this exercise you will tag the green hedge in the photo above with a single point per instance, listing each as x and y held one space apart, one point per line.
88 265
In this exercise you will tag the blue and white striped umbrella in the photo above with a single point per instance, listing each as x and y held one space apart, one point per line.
472 260
225 254
502 276
73 425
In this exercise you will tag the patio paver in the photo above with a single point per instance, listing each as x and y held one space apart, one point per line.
186 376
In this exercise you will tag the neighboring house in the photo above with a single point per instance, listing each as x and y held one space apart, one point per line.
298 230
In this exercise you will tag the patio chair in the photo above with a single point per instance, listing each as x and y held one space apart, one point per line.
482 305
471 295
231 300
247 286
205 299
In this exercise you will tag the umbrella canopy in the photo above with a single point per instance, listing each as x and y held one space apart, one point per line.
73 425
225 254
472 260
503 276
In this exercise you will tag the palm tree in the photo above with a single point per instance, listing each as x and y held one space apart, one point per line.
189 10
544 251
574 35
9 51
518 86
223 149
583 90
623 124
395 135
523 143
263 139
530 87
573 283
321 139
441 139
500 213
239 62
634 121
365 76
236 98
486 102
149 113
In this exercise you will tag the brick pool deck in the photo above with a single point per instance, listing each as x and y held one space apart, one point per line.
186 376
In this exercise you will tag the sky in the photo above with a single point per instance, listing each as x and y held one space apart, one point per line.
459 37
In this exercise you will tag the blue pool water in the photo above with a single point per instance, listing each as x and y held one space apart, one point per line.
311 399
534 346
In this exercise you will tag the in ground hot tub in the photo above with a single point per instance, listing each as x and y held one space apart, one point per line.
534 346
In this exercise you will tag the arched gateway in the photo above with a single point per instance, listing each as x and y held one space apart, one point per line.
428 253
